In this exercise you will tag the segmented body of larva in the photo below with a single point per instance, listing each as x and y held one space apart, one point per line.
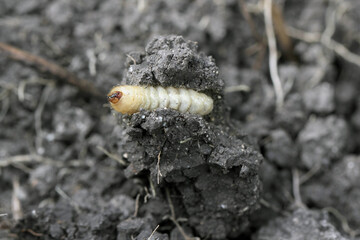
129 99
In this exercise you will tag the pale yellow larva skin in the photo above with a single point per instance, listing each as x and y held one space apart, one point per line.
135 98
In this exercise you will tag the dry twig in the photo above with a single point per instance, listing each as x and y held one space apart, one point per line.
32 232
15 202
50 67
153 232
280 30
30 158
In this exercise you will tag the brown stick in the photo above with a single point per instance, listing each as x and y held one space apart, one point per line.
260 40
50 67
280 30
250 22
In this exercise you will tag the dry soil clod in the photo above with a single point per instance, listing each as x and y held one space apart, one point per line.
200 159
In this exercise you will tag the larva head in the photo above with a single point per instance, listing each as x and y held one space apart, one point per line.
125 99
114 96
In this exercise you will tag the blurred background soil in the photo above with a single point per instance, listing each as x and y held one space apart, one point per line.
287 78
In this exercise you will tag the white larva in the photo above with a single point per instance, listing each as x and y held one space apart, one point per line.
129 99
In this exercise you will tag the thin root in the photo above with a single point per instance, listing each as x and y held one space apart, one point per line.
325 38
296 188
158 168
344 223
112 156
72 202
137 200
273 54
237 88
174 220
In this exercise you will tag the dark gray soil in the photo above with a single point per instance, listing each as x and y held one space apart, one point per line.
71 168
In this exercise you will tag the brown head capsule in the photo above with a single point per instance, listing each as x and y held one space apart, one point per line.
114 96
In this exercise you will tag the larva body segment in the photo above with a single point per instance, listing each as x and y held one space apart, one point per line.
185 100
174 98
129 99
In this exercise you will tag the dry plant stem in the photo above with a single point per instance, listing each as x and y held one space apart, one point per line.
38 113
32 232
30 158
344 223
92 61
15 202
153 232
173 218
273 54
296 188
132 59
309 37
304 178
171 206
280 30
261 43
23 167
112 156
249 20
325 39
320 72
22 86
7 88
330 20
152 188
269 205
137 200
158 168
67 197
287 195
50 67
5 108
237 88
342 51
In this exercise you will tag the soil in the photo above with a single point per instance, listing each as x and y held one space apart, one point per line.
72 168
